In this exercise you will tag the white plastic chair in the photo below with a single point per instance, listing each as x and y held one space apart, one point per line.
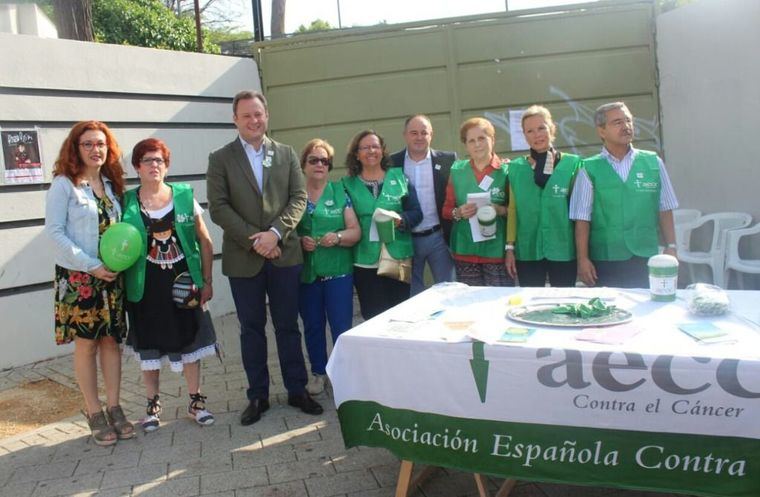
683 217
733 261
716 256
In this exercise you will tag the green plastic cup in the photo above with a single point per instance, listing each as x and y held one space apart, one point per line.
663 277
386 228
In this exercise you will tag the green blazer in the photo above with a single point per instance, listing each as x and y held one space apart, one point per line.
236 204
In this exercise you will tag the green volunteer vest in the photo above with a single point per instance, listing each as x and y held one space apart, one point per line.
326 218
184 223
625 216
463 179
544 229
394 188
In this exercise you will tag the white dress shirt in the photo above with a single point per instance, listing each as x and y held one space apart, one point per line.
256 160
420 174
582 198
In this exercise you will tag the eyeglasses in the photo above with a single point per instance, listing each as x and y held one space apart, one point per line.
316 160
90 145
366 148
152 160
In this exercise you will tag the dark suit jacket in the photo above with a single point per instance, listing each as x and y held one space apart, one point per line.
237 205
440 179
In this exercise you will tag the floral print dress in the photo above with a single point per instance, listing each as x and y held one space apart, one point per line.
86 306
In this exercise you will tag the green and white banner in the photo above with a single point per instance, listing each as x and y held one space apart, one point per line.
693 464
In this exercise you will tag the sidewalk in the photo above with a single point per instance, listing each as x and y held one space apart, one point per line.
286 454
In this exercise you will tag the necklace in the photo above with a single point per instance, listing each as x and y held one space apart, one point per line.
155 201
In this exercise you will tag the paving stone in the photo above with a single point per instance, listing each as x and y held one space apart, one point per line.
221 463
111 492
331 448
379 492
387 474
364 459
234 480
179 487
187 431
292 489
341 483
44 472
17 489
300 470
229 493
68 486
261 457
173 453
134 476
103 464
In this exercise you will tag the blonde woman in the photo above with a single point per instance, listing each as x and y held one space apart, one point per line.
540 242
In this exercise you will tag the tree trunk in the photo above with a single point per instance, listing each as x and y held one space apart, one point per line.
278 18
73 18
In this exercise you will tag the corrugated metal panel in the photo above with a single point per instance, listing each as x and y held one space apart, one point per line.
332 85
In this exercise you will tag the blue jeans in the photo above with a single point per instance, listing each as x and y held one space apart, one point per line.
332 299
433 249
249 294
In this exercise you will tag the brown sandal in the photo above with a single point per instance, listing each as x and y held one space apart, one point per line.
116 418
103 434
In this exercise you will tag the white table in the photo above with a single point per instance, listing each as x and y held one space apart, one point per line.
658 412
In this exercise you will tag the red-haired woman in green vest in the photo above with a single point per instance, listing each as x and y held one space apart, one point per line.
164 328
540 241
478 253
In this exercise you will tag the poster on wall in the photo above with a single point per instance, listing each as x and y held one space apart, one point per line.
22 156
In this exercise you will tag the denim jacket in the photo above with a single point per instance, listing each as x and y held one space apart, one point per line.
71 222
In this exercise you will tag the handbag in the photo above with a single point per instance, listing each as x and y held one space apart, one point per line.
185 293
398 269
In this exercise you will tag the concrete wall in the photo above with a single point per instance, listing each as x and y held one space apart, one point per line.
182 98
709 71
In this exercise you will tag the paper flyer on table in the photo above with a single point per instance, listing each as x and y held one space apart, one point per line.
479 199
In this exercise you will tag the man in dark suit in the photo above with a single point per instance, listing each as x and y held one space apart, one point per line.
257 194
428 171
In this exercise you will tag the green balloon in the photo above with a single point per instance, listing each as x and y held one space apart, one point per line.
120 246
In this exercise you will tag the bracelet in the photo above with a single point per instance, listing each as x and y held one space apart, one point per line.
455 214
671 245
509 246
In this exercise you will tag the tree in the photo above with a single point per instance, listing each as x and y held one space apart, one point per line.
144 23
73 18
316 25
278 19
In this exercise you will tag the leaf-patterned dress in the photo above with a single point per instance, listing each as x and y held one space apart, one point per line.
86 306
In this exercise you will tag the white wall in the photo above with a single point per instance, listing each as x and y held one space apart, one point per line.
182 98
26 19
709 72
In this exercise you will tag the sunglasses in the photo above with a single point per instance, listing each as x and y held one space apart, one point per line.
316 160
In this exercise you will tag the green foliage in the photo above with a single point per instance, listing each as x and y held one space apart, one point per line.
316 25
218 36
144 23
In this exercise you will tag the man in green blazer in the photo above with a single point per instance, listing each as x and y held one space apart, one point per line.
257 195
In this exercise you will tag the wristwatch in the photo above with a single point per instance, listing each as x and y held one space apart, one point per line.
340 237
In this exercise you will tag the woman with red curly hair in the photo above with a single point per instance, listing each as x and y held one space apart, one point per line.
83 201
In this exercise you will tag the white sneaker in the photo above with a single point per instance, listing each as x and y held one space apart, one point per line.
316 384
